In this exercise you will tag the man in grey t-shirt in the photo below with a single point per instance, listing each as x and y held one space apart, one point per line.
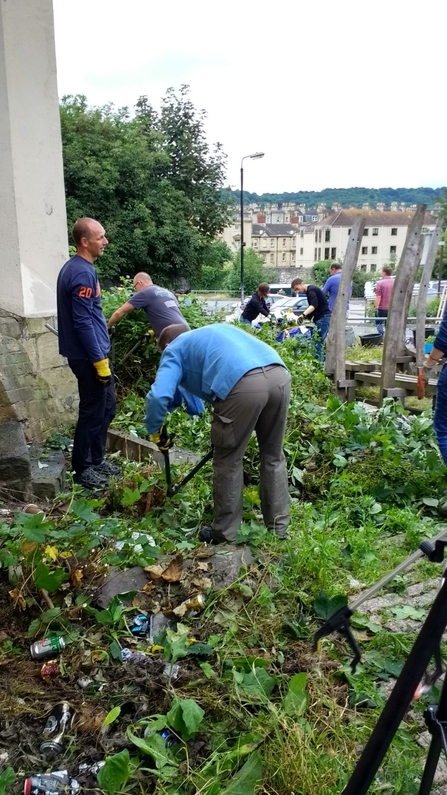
160 305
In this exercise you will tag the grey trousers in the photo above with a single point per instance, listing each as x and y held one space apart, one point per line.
258 402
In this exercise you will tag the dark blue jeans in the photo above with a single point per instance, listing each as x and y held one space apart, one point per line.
440 414
96 412
322 326
380 314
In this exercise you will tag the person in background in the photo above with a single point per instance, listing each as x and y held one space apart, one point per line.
438 352
84 340
318 311
162 310
332 284
256 305
384 288
160 305
248 386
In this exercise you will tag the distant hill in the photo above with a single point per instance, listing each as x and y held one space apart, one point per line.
347 197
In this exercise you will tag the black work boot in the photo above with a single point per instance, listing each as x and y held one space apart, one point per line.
209 536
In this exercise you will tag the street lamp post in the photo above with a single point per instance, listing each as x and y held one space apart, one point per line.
255 156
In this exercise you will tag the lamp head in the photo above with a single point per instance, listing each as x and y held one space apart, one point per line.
256 156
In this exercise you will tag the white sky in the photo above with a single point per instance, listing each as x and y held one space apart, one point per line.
337 94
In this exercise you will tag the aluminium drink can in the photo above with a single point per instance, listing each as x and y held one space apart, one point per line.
51 784
58 723
47 647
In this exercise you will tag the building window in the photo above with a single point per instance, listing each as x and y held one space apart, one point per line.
293 242
365 232
364 249
284 241
316 255
327 236
302 233
255 243
319 253
333 253
373 268
293 258
374 250
316 236
394 230
393 249
363 267
272 244
284 256
375 231
301 252
264 244
272 257
326 253
349 231
319 235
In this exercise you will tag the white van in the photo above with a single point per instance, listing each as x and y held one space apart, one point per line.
282 289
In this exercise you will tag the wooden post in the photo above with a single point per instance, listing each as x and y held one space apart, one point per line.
397 313
335 342
422 297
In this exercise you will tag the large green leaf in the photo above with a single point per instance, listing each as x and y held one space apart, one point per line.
6 779
256 685
82 508
155 746
49 579
185 716
296 700
115 772
248 777
325 606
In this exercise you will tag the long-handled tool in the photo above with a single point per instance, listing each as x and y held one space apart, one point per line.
173 488
148 335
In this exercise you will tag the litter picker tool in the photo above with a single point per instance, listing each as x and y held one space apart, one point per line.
173 488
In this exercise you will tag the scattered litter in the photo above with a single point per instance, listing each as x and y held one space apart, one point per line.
51 784
49 668
170 671
127 655
169 737
41 466
59 721
84 682
84 767
46 647
32 508
137 548
140 626
194 604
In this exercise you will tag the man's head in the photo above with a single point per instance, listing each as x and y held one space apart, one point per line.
142 280
298 286
386 271
90 238
170 333
334 268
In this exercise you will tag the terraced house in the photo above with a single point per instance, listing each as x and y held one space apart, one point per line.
383 237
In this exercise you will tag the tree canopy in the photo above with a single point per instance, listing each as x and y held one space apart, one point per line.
151 179
347 197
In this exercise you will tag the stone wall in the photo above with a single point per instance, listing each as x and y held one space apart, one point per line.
285 275
37 388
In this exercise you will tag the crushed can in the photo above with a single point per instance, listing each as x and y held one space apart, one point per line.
140 626
51 784
196 602
48 647
49 668
56 727
169 737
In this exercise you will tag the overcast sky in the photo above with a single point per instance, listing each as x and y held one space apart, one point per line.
337 94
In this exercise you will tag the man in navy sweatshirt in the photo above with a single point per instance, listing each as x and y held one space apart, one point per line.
84 341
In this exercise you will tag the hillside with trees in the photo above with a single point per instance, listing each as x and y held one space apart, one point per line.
347 197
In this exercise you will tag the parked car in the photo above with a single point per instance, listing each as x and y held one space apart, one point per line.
370 293
278 309
282 289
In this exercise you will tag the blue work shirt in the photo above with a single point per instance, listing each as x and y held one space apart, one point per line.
81 323
207 362
441 338
331 287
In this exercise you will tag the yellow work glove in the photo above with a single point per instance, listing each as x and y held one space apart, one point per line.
163 439
103 373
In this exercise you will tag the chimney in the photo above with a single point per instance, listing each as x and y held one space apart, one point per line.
394 206
380 207
365 206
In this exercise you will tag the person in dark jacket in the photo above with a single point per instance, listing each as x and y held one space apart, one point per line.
84 340
256 305
318 311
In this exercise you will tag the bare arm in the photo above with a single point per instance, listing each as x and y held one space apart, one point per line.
119 313
309 310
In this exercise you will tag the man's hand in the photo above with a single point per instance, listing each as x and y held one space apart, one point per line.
163 439
103 373
300 319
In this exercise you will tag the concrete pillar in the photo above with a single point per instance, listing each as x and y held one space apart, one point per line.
33 233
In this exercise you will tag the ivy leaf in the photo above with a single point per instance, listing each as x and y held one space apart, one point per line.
185 716
34 627
117 769
31 525
130 496
6 779
325 606
256 685
50 614
49 580
82 508
296 700
248 778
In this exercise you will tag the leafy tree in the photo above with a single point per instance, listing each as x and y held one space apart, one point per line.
253 272
151 180
320 271
347 197
215 259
